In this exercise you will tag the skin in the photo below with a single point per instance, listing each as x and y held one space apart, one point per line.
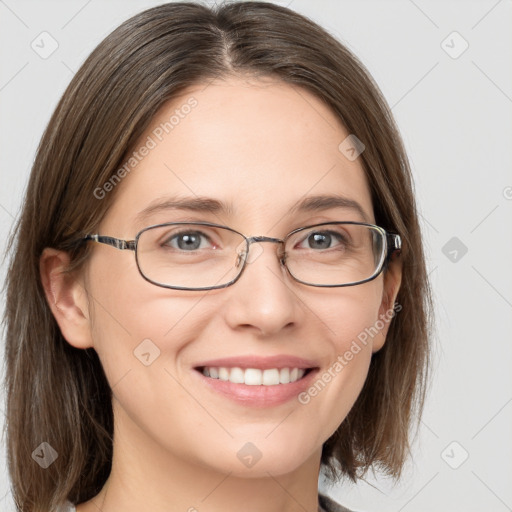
261 145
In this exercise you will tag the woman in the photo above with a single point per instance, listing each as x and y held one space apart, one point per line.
217 286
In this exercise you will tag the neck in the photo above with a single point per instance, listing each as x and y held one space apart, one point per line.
146 476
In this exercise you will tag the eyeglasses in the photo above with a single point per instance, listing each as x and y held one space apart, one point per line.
206 256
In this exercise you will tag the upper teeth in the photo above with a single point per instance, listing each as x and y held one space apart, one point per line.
255 376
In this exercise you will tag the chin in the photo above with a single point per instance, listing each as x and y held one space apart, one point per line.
258 460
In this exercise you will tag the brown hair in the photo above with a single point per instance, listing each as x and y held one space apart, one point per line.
59 394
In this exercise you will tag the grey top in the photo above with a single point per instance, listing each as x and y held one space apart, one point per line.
325 504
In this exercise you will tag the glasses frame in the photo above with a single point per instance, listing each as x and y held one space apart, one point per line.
393 244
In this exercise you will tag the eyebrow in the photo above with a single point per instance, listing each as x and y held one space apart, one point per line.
327 202
209 205
193 204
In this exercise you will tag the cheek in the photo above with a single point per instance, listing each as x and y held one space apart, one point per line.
136 324
140 332
349 314
349 318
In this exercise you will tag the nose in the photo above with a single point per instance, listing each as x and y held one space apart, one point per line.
263 298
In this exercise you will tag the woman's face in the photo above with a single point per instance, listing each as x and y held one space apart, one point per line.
259 148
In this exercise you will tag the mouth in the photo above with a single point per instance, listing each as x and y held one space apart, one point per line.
256 387
255 376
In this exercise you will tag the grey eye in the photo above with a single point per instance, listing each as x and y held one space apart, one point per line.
187 241
319 240
322 240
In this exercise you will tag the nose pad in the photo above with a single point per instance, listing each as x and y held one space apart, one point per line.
282 255
240 257
241 254
255 250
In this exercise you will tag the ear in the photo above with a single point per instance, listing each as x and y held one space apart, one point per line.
66 297
392 281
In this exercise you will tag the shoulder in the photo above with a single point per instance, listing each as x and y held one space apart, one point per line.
329 505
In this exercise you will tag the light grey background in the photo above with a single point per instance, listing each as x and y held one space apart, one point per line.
454 112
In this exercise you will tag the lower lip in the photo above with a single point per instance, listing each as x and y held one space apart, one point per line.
259 396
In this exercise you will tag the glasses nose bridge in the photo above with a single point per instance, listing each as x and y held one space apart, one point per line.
255 239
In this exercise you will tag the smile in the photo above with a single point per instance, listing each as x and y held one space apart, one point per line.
255 376
255 387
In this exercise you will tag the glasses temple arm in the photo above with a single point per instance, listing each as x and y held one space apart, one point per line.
394 244
114 242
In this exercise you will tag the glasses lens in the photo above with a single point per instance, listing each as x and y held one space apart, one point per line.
335 254
190 255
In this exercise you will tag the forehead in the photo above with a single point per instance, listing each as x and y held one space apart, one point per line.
259 146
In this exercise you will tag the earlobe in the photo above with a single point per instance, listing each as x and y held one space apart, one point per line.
392 282
66 297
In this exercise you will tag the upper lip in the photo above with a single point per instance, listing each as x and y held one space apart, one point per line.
265 363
